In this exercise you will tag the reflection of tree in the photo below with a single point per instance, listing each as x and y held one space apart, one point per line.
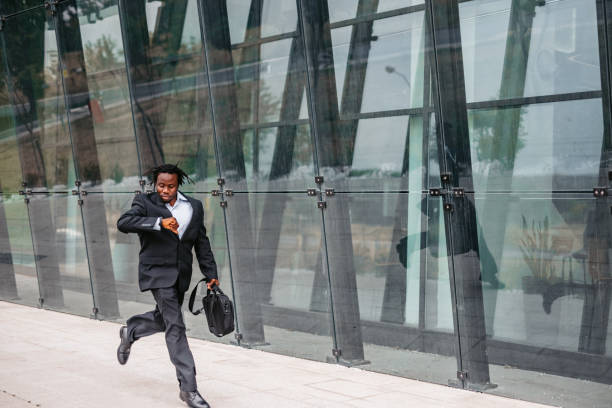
486 133
102 55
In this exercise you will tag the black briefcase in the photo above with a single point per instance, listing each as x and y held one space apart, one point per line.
218 309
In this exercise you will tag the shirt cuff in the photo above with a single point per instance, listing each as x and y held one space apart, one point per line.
157 227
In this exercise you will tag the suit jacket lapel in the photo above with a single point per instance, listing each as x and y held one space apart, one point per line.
158 201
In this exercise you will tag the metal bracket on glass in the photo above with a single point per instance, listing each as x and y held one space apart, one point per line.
142 182
215 193
435 192
319 179
223 204
336 353
445 178
229 193
462 375
600 192
94 312
329 192
52 6
311 192
148 191
80 201
220 181
41 301
238 336
458 192
24 184
137 192
26 200
75 192
321 204
77 183
448 207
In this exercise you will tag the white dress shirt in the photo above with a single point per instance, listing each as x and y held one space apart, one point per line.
182 211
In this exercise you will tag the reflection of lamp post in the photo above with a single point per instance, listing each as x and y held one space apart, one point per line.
392 70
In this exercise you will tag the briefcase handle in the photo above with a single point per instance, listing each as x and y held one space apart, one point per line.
215 288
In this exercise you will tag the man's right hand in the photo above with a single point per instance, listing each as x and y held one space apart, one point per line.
170 224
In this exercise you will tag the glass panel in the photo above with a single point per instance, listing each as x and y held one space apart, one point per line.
397 272
263 88
281 286
346 9
537 147
513 48
10 168
549 311
171 104
59 249
118 295
96 86
277 17
37 100
390 153
270 88
438 300
375 151
18 280
267 154
393 68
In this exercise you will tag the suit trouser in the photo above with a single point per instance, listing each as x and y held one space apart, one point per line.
167 317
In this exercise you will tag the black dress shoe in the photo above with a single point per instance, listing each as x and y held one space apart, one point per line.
123 351
193 399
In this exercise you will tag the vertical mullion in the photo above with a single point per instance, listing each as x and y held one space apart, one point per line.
460 214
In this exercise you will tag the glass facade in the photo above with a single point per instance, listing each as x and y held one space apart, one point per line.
419 188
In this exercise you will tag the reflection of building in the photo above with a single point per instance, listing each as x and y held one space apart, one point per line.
446 127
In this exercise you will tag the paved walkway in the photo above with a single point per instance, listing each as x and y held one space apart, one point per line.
50 359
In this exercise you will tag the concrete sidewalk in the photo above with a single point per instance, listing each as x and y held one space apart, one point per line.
50 359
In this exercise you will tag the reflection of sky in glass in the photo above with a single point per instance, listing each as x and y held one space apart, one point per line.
340 10
380 144
394 66
563 55
550 146
275 61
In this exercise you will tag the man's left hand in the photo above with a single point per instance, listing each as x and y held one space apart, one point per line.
212 283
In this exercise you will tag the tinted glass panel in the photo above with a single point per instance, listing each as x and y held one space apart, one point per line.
513 49
552 295
396 272
59 250
346 9
535 147
277 264
169 88
18 280
98 95
37 99
393 68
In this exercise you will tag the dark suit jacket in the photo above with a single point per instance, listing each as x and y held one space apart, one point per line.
164 258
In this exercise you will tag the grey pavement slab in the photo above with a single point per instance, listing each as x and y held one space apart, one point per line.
50 359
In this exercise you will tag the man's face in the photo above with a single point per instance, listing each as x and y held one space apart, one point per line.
167 187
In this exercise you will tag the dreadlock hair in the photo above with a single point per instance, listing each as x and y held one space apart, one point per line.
170 169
